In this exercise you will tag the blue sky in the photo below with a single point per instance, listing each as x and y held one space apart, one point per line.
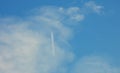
86 36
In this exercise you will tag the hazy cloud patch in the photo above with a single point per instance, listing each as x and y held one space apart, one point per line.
91 6
94 64
25 44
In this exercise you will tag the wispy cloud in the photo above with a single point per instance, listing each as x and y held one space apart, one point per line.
93 7
94 64
24 49
25 45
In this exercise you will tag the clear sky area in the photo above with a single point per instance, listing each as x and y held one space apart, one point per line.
59 36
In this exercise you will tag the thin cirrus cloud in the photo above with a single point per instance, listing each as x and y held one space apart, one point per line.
25 44
24 49
94 64
91 6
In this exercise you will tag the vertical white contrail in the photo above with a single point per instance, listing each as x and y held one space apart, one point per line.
52 44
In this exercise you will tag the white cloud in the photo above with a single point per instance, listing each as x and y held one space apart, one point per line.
75 13
25 45
24 49
94 64
91 5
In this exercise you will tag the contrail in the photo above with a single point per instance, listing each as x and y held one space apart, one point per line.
52 44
